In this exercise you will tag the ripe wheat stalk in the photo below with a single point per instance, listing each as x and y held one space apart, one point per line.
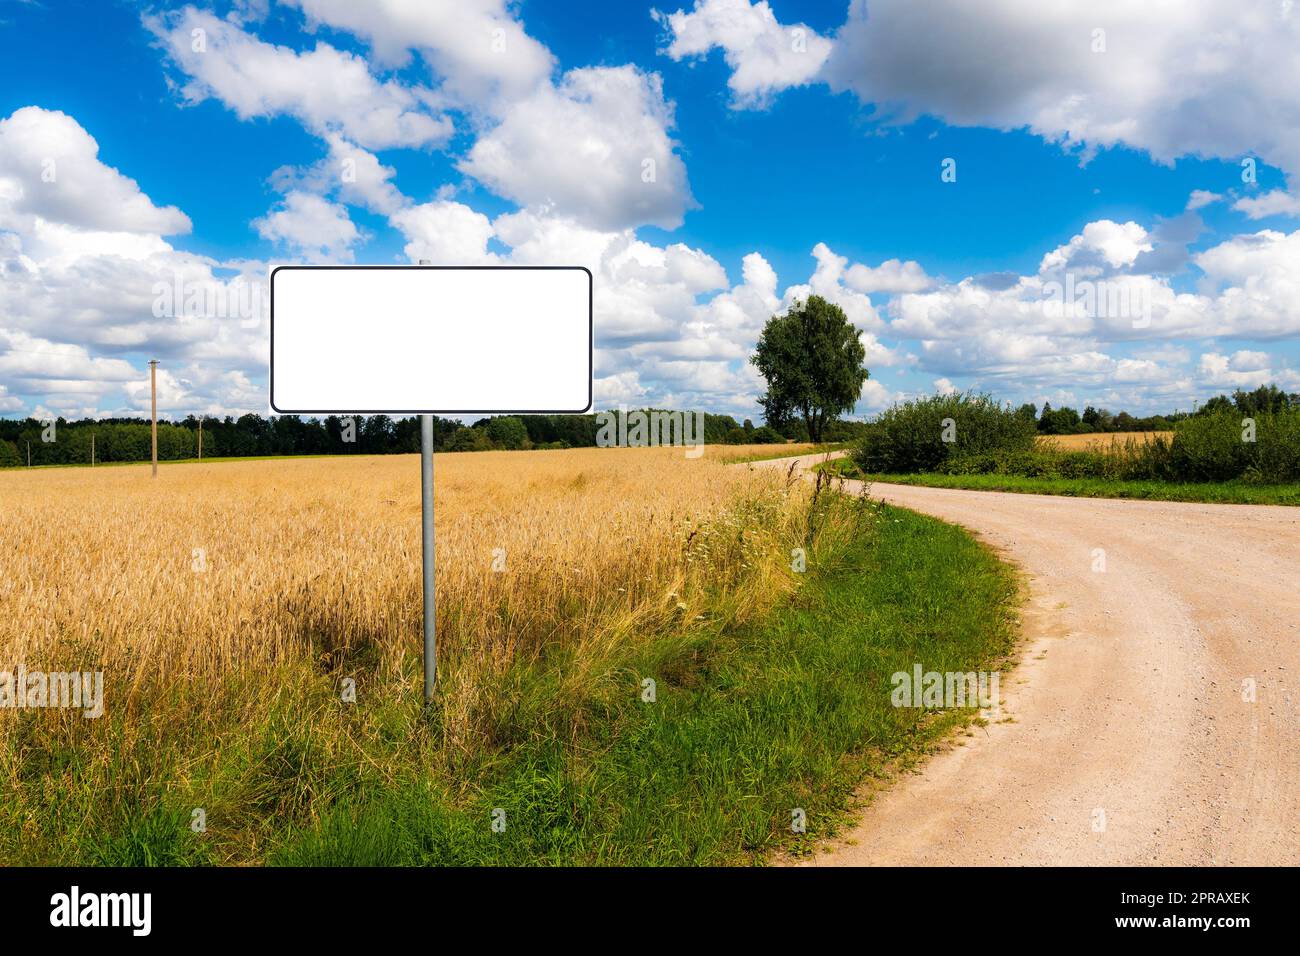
220 574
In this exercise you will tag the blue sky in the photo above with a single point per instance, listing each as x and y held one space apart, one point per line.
797 149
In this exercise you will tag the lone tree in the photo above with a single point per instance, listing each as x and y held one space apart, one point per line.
812 360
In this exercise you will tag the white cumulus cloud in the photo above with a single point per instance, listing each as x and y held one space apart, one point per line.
50 171
478 46
445 233
328 90
765 56
311 227
1277 202
595 147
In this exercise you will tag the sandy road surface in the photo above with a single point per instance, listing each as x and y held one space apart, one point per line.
1129 741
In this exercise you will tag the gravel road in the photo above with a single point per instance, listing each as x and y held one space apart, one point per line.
1155 715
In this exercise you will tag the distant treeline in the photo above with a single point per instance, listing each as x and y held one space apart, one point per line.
128 439
1068 421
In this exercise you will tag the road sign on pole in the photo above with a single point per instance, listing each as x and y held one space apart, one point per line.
425 340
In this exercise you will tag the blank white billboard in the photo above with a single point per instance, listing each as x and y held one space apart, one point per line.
430 339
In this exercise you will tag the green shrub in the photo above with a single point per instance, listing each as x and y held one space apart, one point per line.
842 431
913 436
507 432
469 439
794 431
1130 460
1084 464
1209 448
766 436
1215 447
1138 460
1277 447
1041 462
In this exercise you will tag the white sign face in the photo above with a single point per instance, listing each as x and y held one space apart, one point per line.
408 340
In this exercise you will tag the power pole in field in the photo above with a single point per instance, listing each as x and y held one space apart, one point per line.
153 409
200 438
92 449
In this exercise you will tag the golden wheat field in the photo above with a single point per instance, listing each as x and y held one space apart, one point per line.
1100 441
223 571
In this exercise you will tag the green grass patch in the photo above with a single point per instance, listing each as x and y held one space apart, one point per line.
1213 492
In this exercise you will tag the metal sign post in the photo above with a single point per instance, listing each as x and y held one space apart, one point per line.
426 517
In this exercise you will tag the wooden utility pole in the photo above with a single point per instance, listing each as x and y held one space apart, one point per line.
29 454
153 403
200 438
92 449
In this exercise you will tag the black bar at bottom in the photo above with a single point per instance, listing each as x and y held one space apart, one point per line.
655 908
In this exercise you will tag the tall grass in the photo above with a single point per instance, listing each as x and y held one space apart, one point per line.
792 710
226 604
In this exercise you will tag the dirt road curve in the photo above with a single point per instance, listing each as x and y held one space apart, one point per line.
1128 702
